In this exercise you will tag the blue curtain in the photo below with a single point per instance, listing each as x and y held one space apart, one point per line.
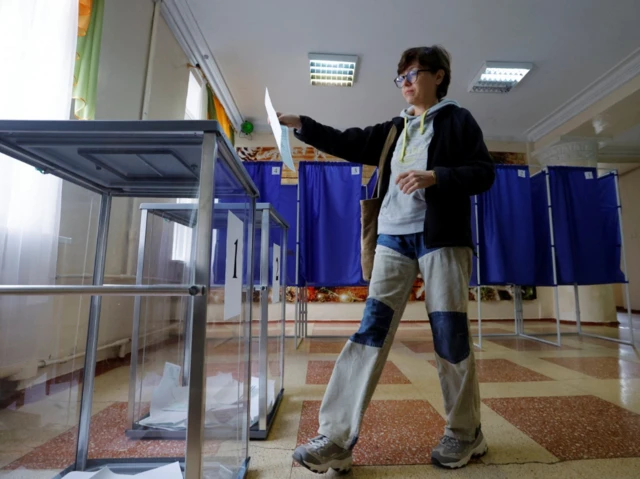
371 186
330 223
267 177
288 210
542 233
507 245
586 248
474 259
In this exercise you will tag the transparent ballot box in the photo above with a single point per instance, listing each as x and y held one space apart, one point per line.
117 322
267 355
269 315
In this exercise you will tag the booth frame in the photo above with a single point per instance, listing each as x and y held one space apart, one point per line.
518 309
21 140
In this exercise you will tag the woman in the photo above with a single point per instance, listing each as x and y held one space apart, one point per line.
437 160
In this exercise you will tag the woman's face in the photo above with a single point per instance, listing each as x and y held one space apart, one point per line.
425 83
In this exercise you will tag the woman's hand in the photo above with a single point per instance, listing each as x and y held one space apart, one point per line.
290 121
414 180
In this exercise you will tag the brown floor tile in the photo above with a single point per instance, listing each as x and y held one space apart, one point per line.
421 346
107 440
386 429
424 346
504 371
490 330
326 346
573 427
604 343
601 368
521 344
319 372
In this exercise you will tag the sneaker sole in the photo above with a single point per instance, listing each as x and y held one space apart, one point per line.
479 451
340 466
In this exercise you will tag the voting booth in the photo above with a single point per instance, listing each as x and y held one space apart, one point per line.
190 372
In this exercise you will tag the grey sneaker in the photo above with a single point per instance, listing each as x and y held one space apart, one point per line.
453 453
319 455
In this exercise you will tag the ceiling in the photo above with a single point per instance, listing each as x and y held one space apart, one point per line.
259 44
629 138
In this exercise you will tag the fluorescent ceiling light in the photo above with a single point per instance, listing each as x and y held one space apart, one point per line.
499 77
334 70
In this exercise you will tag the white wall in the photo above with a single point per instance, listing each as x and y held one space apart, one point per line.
630 198
121 81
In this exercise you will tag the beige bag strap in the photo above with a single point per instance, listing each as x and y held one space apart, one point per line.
385 152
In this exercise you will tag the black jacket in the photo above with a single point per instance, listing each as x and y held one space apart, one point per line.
457 155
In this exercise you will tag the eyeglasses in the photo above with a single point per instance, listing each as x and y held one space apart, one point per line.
411 77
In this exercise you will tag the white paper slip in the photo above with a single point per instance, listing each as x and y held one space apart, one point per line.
234 268
280 132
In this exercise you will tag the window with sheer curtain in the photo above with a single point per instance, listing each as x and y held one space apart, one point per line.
37 53
196 109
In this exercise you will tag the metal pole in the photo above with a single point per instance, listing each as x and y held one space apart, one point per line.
298 312
197 384
135 335
283 288
576 296
263 340
478 294
82 451
553 255
246 394
188 323
624 260
105 290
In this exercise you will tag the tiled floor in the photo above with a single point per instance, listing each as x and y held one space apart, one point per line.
547 412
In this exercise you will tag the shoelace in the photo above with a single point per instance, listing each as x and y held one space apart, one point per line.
319 442
450 441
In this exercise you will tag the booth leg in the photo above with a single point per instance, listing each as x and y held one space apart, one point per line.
197 384
135 335
82 450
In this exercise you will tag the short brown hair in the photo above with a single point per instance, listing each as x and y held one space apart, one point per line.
433 58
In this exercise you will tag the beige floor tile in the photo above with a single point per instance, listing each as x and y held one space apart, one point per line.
267 463
539 388
591 469
546 368
406 472
395 391
7 458
26 474
284 431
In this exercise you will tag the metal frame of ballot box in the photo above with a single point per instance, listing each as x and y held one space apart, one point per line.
185 214
142 159
268 216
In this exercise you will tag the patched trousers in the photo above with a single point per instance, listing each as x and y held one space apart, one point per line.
446 273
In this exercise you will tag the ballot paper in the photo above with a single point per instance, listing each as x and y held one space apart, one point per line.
280 132
224 406
170 471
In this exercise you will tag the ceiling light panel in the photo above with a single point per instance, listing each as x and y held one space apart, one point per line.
332 70
499 77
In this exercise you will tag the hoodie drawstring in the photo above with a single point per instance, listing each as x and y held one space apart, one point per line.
404 134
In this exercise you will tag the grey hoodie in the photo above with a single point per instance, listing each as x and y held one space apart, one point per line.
401 213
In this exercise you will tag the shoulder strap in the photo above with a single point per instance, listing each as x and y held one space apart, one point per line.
383 157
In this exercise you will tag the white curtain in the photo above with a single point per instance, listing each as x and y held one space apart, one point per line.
37 54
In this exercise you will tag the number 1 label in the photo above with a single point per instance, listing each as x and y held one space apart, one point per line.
233 268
